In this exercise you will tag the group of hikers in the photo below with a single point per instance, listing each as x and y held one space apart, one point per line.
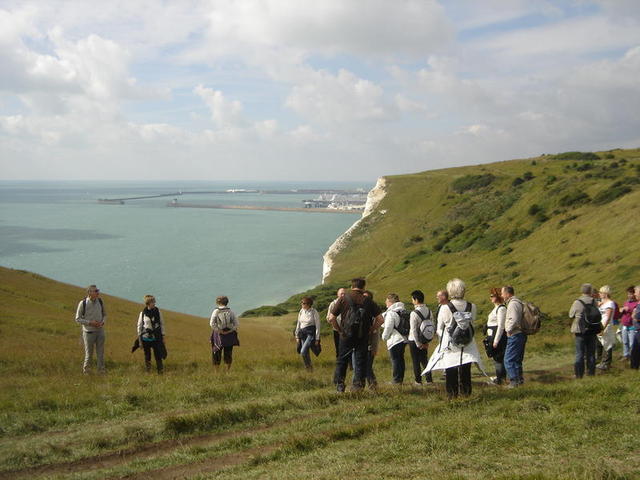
359 323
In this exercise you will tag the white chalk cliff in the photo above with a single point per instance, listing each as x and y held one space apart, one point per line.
375 195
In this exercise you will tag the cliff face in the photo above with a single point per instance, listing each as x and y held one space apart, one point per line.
374 197
544 225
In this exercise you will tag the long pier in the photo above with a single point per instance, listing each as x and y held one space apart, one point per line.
257 207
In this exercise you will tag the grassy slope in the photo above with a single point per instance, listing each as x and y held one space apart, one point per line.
268 418
547 267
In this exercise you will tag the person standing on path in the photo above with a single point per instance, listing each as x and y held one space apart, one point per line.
585 339
307 330
516 338
607 337
421 332
224 335
92 315
360 317
628 330
150 330
336 334
396 341
496 339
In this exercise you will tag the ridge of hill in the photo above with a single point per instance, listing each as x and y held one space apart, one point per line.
544 225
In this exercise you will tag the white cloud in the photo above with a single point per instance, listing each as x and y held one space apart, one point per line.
224 113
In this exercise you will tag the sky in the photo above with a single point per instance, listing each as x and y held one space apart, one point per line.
294 90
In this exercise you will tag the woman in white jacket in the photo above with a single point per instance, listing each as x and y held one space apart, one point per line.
607 338
395 340
455 360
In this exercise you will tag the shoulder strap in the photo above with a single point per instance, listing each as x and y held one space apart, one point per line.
422 318
101 307
352 304
452 307
468 307
84 307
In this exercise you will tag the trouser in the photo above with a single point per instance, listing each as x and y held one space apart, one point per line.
458 380
635 352
93 340
228 353
628 337
585 352
371 375
419 360
157 354
397 361
514 356
501 372
358 347
305 349
603 356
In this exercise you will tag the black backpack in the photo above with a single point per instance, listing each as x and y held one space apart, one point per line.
591 318
355 323
404 324
461 329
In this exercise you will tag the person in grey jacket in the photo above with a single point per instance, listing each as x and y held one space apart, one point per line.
516 338
92 315
585 341
396 342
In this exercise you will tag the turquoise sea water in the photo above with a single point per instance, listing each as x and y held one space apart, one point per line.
184 256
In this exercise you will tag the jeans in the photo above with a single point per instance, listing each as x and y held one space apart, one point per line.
358 347
585 351
304 349
157 354
628 336
336 342
458 380
93 340
419 360
371 375
514 356
635 352
397 361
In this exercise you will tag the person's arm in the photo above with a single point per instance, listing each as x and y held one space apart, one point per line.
336 310
501 314
389 324
161 323
606 318
79 318
104 313
414 322
139 326
213 322
316 321
510 320
235 320
295 334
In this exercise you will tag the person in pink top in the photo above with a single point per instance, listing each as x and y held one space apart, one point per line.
628 330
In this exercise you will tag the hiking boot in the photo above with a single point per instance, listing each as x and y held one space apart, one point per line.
340 388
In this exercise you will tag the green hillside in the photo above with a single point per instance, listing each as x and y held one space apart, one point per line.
545 225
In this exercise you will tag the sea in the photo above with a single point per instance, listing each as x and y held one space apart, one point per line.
185 257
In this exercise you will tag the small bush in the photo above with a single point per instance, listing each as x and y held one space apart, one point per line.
551 179
456 229
472 182
574 197
266 311
517 181
584 167
527 176
609 156
610 194
581 156
534 209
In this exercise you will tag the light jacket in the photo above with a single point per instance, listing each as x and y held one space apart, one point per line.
391 319
577 313
513 322
223 317
445 355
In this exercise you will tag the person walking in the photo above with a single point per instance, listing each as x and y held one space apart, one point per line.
516 338
224 334
455 353
307 330
628 329
396 340
92 315
421 332
496 340
150 331
336 334
607 338
360 317
584 337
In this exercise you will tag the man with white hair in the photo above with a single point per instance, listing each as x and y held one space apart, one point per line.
92 316
585 339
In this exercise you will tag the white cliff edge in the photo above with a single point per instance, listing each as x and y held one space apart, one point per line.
375 195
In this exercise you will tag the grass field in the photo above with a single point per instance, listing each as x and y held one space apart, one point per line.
269 418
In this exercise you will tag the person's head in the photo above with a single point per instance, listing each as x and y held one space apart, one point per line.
456 288
442 296
631 294
586 289
368 293
340 293
507 292
93 292
358 283
222 300
149 301
391 299
496 295
605 292
417 297
306 302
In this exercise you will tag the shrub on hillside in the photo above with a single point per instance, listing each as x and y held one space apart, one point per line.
472 182
574 197
581 156
265 311
534 209
517 181
610 194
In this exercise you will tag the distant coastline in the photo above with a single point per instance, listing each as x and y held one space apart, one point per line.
257 207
